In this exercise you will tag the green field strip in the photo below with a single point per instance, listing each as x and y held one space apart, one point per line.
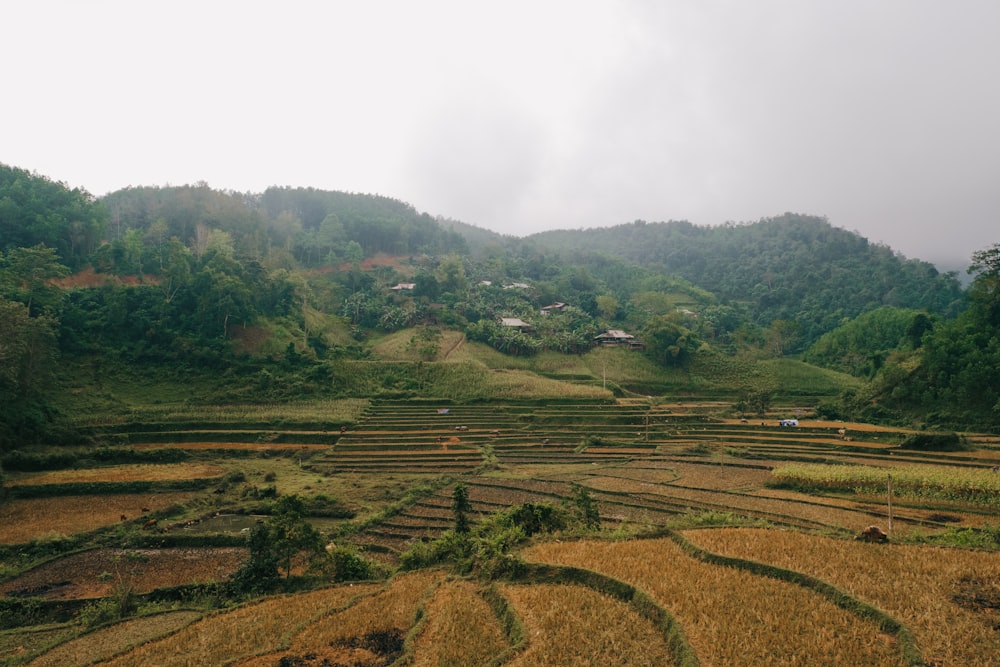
396 457
241 436
412 521
400 457
383 531
402 463
668 501
773 507
569 458
415 468
397 449
870 511
403 447
673 504
536 449
201 425
559 489
429 513
876 511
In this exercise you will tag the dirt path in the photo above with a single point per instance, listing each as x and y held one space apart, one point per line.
457 345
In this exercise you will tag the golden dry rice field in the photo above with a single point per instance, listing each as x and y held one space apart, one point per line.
704 555
942 595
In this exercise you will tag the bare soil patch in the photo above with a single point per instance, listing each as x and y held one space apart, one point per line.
96 573
23 520
90 278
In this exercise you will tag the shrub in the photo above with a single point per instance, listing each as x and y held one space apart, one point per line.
27 462
259 573
18 612
935 442
109 609
349 565
533 518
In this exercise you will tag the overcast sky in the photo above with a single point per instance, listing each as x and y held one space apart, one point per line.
522 116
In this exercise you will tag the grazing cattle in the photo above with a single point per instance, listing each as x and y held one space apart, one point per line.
145 510
545 441
495 433
744 420
994 469
150 524
461 428
343 429
124 518
873 534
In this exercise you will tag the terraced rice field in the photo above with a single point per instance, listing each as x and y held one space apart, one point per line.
645 465
649 465
730 616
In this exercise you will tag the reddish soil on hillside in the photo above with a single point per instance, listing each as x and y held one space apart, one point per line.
367 264
90 278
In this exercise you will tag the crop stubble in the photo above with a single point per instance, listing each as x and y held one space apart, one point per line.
731 617
916 584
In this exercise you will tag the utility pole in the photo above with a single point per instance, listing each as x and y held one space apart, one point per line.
890 503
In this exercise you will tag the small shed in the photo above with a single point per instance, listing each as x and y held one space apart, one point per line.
403 286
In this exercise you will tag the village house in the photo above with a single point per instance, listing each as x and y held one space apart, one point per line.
515 323
398 287
556 307
617 337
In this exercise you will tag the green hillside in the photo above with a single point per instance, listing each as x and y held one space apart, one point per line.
298 292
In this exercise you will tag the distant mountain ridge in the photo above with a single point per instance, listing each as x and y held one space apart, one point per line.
791 267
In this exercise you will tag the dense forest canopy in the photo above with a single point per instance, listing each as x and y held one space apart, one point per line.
314 227
35 209
794 267
189 275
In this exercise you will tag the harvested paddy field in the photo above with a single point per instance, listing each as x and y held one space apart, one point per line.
97 572
385 488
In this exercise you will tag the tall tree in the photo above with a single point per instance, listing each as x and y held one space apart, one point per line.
291 533
461 507
667 341
984 293
26 274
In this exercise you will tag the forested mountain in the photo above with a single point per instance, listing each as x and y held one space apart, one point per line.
313 227
34 210
792 268
187 275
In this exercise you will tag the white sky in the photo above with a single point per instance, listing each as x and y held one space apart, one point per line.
523 116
